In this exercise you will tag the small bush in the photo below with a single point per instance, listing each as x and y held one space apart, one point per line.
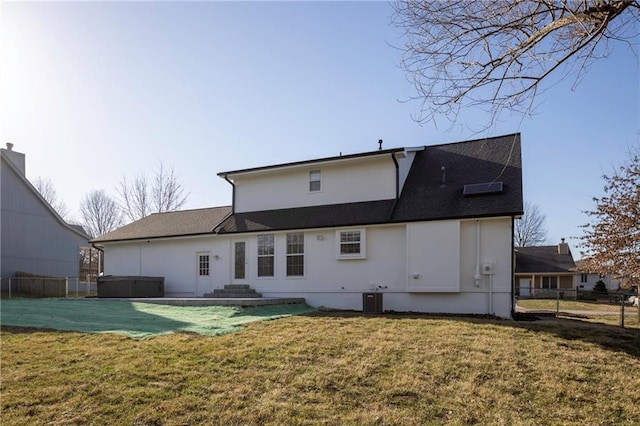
599 288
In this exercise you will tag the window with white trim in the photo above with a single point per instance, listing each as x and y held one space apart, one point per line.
295 254
203 265
315 184
583 278
266 256
351 244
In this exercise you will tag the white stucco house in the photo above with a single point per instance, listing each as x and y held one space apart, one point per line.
34 239
430 228
587 280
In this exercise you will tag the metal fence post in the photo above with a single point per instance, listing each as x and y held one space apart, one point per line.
9 287
557 302
622 311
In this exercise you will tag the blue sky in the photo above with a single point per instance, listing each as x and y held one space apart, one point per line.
95 91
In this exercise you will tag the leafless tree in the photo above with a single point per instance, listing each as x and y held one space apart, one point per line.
100 213
140 199
462 53
134 197
167 194
48 191
612 237
530 230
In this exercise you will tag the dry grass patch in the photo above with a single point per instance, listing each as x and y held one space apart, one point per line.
572 305
331 369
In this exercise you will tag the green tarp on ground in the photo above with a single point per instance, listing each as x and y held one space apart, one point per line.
134 319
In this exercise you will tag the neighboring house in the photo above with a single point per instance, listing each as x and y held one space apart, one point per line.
544 269
586 280
35 239
429 227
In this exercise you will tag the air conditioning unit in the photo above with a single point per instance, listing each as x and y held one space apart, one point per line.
487 268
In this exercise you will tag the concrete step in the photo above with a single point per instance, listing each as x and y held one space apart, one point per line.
237 286
229 295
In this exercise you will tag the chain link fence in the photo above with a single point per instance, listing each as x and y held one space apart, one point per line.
27 285
621 306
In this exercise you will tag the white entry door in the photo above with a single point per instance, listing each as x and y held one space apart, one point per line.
240 262
203 269
525 287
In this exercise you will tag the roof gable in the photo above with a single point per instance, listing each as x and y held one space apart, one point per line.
76 229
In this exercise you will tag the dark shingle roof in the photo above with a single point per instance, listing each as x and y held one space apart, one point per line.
472 162
423 196
349 214
541 259
172 224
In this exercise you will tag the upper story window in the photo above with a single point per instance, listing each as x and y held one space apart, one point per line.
583 278
351 244
266 256
315 179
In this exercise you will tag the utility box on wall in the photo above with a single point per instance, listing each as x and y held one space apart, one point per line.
372 303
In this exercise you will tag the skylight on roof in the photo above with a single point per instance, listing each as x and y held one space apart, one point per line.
483 189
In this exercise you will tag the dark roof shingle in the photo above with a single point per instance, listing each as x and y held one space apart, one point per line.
541 259
424 196
171 224
348 214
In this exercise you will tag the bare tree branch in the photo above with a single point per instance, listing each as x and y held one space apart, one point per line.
468 53
165 194
47 190
530 230
100 213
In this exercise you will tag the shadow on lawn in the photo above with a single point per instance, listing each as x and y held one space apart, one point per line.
608 337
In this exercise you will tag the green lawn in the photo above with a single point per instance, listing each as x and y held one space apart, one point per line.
328 368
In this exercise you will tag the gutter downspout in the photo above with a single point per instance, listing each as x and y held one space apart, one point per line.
477 277
100 250
395 202
233 194
513 269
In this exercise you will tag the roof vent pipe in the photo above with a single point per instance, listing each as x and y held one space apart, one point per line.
444 177
379 144
9 146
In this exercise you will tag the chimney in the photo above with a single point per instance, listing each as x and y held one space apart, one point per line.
563 248
16 158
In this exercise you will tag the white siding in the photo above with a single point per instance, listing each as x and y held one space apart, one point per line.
175 260
445 250
434 256
366 179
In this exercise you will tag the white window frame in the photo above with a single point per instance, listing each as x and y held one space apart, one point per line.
289 255
363 244
204 264
271 255
312 180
